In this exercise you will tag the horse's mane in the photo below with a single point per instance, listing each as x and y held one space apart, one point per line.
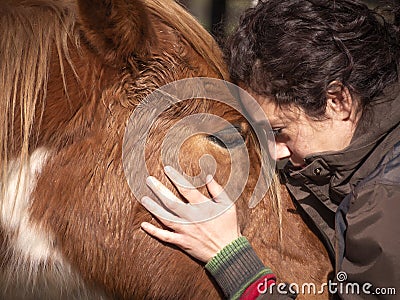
29 34
201 41
31 31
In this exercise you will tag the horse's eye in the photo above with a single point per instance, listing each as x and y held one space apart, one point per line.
228 138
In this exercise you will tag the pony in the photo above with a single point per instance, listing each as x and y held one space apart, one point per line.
72 72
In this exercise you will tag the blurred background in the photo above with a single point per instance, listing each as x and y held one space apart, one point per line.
220 17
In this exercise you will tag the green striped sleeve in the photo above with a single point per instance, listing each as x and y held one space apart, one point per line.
235 267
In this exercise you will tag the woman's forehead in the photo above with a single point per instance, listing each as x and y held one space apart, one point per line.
263 108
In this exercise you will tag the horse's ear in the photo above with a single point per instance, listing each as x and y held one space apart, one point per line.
116 29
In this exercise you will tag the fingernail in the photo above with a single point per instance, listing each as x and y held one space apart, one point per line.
144 226
145 200
150 180
209 178
167 169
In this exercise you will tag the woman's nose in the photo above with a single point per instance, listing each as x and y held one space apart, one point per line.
279 151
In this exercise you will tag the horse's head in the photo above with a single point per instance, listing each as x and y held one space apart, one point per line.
75 73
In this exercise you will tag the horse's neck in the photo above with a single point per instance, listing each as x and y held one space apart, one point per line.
285 243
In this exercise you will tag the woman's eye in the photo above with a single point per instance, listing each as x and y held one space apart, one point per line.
228 138
277 131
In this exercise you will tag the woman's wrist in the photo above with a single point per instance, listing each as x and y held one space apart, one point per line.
235 267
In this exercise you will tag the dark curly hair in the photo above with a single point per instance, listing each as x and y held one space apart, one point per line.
292 50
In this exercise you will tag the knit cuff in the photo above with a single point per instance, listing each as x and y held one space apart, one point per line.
235 267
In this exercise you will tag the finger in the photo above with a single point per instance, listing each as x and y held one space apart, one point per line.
184 186
160 190
161 234
216 191
182 210
165 216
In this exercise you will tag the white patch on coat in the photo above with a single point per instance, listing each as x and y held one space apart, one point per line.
27 240
36 269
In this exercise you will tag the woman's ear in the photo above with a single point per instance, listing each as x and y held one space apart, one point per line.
116 29
339 101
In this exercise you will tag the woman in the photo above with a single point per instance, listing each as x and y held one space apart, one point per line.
326 75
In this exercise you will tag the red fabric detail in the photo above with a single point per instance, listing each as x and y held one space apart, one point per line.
261 284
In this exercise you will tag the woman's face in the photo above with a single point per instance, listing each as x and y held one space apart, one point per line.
297 135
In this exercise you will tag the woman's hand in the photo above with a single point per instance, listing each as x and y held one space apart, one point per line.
200 227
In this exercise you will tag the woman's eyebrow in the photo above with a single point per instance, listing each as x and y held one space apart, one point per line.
261 122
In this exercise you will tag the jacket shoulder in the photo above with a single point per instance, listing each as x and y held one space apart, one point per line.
387 171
